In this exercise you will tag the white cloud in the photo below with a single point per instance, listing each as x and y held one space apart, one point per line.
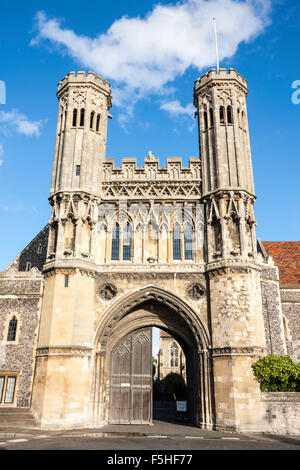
1 150
14 120
175 108
143 55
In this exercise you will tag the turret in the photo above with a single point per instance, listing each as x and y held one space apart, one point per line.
80 145
227 176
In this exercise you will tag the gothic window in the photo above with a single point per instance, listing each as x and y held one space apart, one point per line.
66 280
205 120
127 243
222 115
176 242
7 389
211 116
174 355
82 117
92 119
229 115
97 122
39 249
188 242
74 117
12 329
115 242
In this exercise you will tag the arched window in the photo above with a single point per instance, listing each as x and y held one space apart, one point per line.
115 242
229 115
97 122
222 115
74 117
12 329
127 243
176 242
205 120
188 242
211 116
92 119
174 355
82 117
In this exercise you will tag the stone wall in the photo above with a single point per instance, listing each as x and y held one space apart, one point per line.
282 412
272 311
20 295
35 252
290 299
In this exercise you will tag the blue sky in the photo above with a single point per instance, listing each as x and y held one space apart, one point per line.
151 52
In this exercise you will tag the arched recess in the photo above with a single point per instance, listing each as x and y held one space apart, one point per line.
148 307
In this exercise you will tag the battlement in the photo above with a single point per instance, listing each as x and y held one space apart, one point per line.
83 78
174 170
212 75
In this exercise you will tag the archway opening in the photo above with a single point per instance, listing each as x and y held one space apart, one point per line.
170 389
148 308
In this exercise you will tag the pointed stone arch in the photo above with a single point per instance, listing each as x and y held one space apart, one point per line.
147 307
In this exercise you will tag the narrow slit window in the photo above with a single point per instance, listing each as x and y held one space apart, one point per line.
12 329
98 122
66 280
28 266
205 120
92 120
82 117
211 117
77 170
222 115
229 115
74 123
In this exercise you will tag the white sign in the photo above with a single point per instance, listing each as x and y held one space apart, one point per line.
181 405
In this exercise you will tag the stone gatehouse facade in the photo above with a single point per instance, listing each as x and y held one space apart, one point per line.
129 248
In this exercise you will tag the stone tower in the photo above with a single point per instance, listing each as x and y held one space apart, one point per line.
66 325
80 147
231 262
80 144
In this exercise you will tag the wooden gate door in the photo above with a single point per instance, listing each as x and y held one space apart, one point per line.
131 379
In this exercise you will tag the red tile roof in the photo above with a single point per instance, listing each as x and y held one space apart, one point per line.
164 334
286 256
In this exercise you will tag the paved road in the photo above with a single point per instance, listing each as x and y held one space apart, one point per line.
61 442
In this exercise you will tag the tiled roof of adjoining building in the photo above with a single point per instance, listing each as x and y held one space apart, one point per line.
286 256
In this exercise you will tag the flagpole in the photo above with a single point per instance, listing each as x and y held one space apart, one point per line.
216 39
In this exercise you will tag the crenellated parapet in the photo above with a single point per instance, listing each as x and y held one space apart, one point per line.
76 82
221 79
152 180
